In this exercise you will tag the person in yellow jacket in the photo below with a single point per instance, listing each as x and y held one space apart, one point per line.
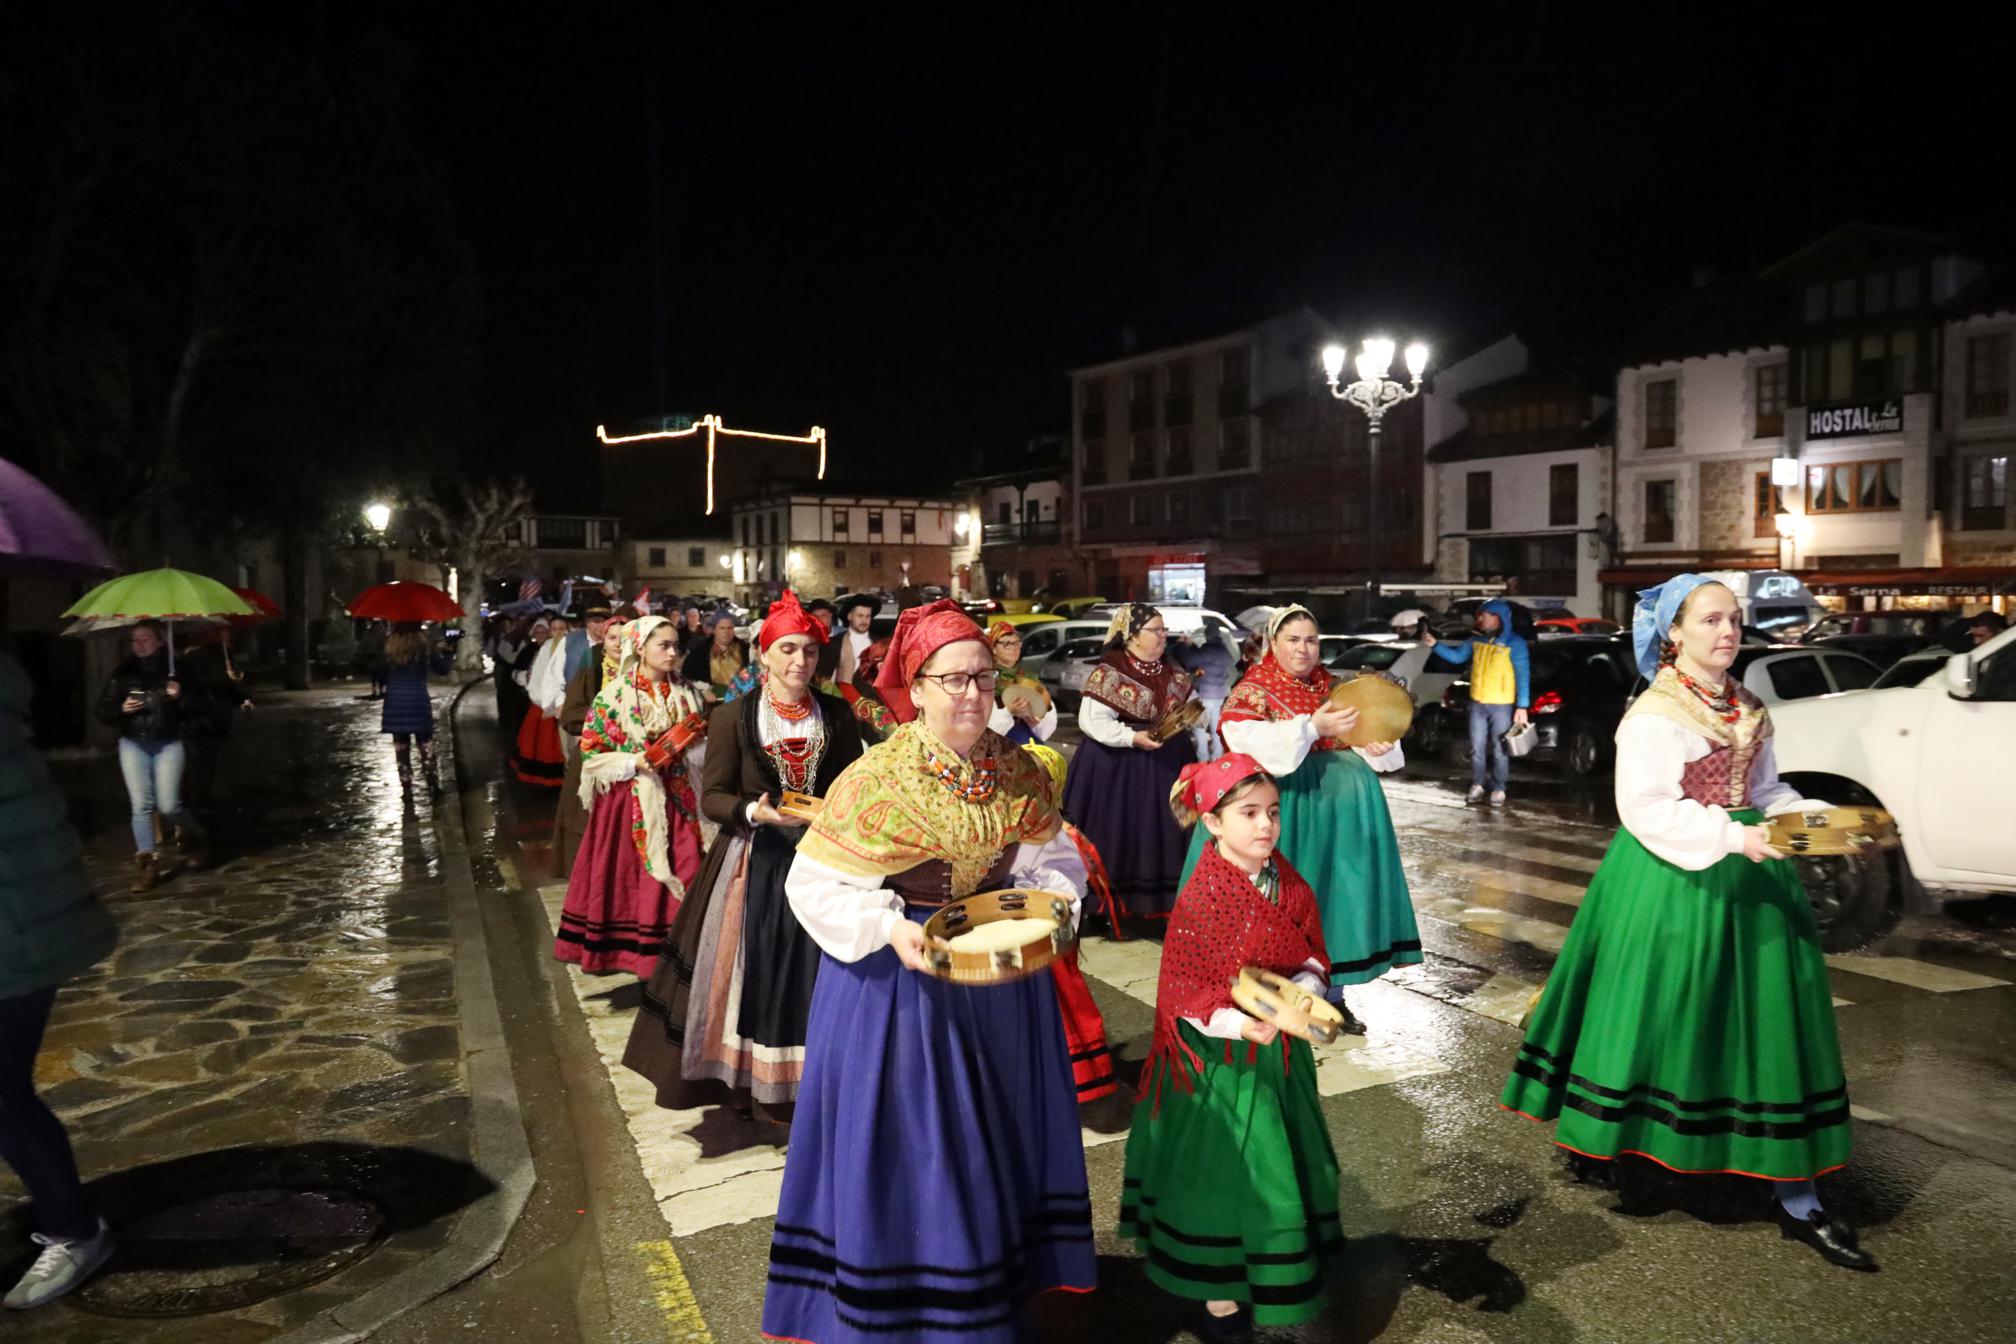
1500 691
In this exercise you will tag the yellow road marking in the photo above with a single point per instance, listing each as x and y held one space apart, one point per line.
674 1293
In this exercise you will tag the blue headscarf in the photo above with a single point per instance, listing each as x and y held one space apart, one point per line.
1657 609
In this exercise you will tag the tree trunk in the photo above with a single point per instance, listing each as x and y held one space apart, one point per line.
294 601
469 650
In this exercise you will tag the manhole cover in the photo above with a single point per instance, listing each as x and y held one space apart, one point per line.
223 1251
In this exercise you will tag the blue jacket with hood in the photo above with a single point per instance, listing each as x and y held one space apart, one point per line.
1499 663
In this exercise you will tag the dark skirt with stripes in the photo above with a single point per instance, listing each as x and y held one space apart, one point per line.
1119 797
936 1174
1689 1020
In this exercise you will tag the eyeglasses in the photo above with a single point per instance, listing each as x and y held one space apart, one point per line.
958 683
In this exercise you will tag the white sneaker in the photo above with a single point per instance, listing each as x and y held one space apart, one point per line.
1476 794
62 1266
1498 798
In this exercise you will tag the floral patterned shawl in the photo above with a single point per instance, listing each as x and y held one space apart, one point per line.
1140 697
1269 694
630 715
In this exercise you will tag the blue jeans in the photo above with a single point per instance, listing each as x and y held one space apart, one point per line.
1489 760
153 772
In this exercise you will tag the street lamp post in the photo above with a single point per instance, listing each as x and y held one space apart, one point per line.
1375 394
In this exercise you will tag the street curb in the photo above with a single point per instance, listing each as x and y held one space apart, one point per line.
498 1146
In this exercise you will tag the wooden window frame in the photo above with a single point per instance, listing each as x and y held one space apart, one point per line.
1769 424
1672 516
1764 522
1554 500
1856 468
1472 501
1668 426
1989 402
1992 515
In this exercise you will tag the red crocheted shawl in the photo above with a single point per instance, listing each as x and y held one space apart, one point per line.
1223 923
1268 694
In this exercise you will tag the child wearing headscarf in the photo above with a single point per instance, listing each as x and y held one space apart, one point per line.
1231 1183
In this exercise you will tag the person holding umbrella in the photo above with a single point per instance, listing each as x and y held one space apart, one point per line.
143 700
408 714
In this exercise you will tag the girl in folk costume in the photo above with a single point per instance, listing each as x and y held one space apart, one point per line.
572 818
1084 1025
1231 1184
642 845
936 1174
1335 826
1689 1018
538 760
1119 787
724 1013
1023 710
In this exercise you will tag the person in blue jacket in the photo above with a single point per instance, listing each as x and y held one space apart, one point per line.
1500 691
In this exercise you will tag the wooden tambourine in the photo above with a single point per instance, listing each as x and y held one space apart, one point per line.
997 936
1385 709
1277 1000
1833 830
1025 701
1178 720
803 806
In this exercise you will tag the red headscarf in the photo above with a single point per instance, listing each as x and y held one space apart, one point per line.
999 631
920 632
788 618
1203 784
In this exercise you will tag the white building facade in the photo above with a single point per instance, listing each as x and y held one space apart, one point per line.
823 544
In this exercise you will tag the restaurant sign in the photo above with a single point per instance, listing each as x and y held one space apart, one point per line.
1854 418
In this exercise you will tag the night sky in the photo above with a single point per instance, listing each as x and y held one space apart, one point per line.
906 233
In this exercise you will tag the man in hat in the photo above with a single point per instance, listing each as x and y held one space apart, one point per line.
828 670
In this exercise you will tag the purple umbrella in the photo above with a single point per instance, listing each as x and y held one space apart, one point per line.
40 534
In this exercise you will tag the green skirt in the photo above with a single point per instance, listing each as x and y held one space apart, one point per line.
1689 1020
1336 831
1231 1189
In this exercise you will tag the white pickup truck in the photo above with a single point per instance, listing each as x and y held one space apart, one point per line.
1941 757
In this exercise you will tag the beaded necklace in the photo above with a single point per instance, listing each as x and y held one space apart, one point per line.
795 759
1723 703
1153 669
797 713
978 789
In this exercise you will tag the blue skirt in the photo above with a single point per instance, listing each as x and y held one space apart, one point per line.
1119 797
936 1173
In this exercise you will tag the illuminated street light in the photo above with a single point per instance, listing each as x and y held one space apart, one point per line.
379 515
1374 393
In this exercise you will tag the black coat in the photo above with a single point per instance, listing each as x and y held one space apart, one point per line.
163 718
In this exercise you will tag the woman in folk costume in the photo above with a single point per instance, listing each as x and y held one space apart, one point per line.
1084 1025
642 846
1231 1184
936 1175
1118 792
869 710
1689 1018
538 760
724 1013
1023 710
572 818
1335 826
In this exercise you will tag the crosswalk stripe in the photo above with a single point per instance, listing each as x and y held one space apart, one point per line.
1917 974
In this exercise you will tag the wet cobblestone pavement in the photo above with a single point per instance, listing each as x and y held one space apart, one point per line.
264 1082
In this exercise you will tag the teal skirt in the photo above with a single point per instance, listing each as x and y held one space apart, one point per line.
1231 1189
1689 1020
1337 833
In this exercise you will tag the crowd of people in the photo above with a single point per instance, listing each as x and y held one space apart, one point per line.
788 974
760 831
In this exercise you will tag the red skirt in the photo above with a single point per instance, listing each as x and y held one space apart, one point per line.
1084 1030
617 916
538 760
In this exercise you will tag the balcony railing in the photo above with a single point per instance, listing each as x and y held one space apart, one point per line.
1022 534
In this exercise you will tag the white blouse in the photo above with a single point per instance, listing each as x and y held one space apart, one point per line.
1004 722
1652 752
1281 746
850 917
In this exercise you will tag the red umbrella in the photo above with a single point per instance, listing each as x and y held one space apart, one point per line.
405 600
263 607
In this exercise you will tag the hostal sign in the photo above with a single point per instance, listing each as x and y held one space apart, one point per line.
1855 417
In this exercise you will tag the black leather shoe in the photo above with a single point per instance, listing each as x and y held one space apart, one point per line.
1834 1238
1352 1026
1234 1329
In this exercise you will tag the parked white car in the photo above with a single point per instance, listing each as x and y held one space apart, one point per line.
1937 756
1041 641
1065 671
1779 673
1181 621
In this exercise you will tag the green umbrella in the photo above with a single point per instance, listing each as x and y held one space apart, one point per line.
155 595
